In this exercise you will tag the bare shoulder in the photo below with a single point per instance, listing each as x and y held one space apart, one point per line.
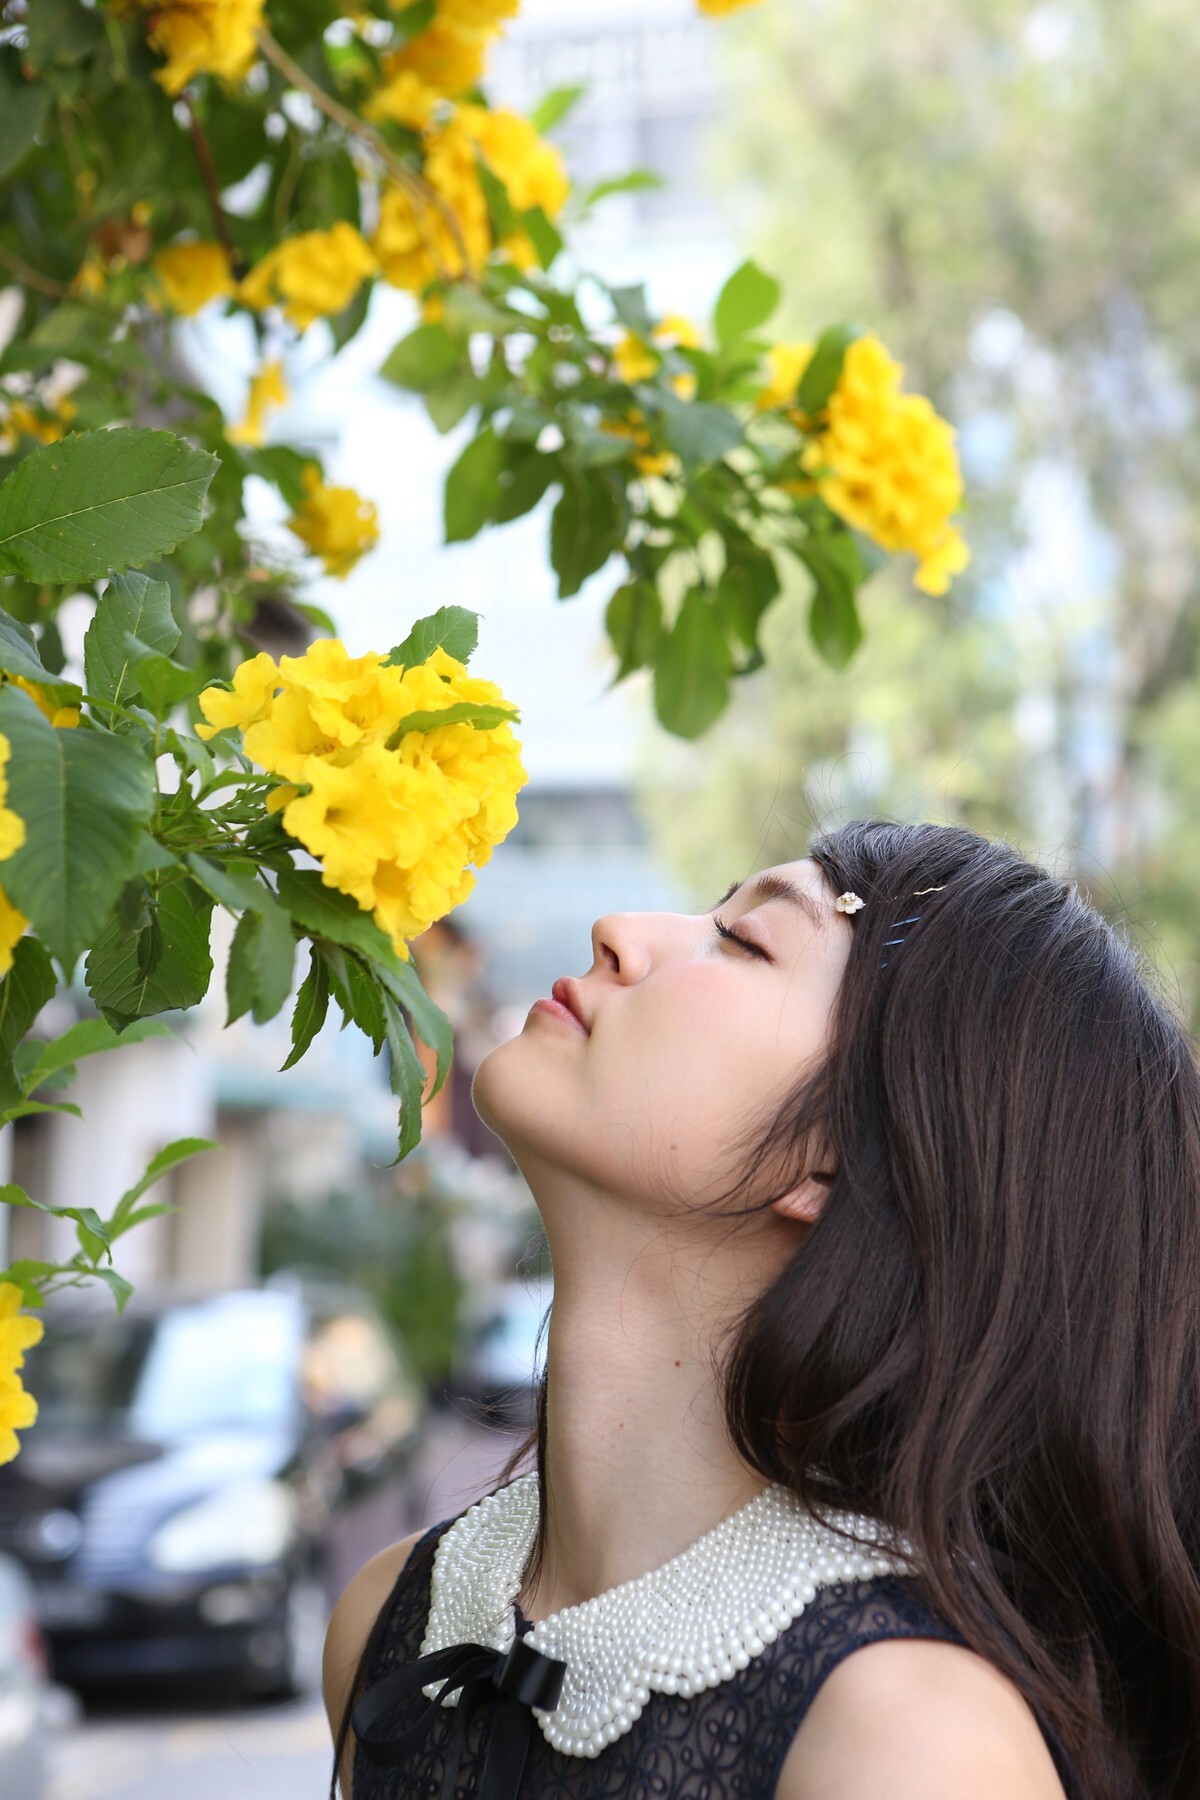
909 1717
350 1624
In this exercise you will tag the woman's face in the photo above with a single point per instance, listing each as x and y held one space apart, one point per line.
691 1039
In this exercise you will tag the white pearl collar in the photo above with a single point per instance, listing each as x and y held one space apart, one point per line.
685 1626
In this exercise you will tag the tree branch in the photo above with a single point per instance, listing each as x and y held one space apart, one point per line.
212 187
33 278
415 185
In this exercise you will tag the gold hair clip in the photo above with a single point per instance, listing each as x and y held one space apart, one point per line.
917 892
848 903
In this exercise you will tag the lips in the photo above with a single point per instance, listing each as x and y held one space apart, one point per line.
565 991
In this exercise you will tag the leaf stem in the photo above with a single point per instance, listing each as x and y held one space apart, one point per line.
42 284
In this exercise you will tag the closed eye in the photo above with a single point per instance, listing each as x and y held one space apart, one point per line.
725 932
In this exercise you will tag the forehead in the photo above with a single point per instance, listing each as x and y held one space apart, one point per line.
798 884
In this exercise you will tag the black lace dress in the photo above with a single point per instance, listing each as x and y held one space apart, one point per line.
725 1743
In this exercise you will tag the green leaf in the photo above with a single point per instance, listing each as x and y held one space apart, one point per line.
746 301
523 481
240 893
275 957
587 525
325 912
422 360
634 182
84 796
629 304
163 683
19 656
450 403
61 31
99 501
27 1273
179 978
833 621
88 1037
691 677
543 233
407 1078
748 584
454 629
463 712
697 431
117 1285
23 108
312 1003
554 106
23 992
471 486
366 1002
825 367
429 1022
633 621
239 970
177 1151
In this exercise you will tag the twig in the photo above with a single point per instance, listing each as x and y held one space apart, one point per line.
31 277
212 187
420 190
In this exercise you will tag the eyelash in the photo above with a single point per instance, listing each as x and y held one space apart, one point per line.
724 931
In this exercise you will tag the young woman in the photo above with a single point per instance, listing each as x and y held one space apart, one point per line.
868 1460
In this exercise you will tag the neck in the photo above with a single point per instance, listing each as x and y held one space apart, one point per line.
638 1460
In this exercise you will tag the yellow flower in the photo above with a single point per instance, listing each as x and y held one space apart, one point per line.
267 388
202 37
91 277
414 243
786 363
533 171
446 56
12 827
404 99
717 8
12 928
636 360
58 715
336 523
254 686
885 462
394 829
312 275
18 1332
21 420
649 462
193 274
478 15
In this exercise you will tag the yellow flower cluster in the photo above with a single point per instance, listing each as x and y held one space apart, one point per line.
717 8
202 37
12 836
18 419
882 460
312 275
267 389
446 58
415 243
636 360
395 829
18 1332
191 275
336 523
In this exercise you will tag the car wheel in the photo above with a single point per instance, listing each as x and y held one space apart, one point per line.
283 1659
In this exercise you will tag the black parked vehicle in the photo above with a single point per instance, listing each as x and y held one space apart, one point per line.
192 1467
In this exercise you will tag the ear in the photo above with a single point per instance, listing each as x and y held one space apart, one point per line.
806 1201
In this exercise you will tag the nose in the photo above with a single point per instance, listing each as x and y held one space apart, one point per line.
628 943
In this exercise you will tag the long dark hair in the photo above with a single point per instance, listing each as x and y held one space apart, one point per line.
990 1339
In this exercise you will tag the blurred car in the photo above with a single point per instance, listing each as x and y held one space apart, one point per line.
192 1464
24 1690
499 1362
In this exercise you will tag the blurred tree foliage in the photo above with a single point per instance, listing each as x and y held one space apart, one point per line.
1009 189
396 1248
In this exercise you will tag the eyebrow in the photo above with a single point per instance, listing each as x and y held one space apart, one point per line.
778 887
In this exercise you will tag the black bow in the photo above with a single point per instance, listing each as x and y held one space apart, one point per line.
517 1679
